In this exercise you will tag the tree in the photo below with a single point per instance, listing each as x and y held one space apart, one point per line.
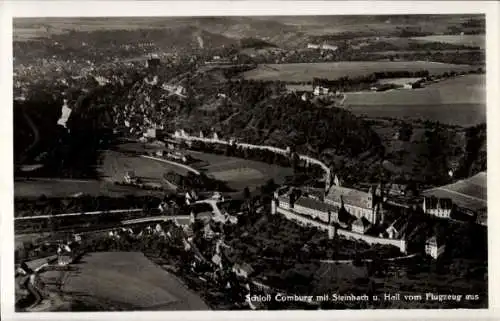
246 193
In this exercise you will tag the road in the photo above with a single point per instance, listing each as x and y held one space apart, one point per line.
24 218
36 133
188 168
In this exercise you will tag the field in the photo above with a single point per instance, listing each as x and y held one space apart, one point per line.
460 101
470 193
127 281
116 164
240 173
468 40
333 70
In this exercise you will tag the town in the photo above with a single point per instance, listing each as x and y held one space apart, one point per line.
227 188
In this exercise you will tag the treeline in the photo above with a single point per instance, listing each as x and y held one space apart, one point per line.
348 84
255 43
475 156
77 223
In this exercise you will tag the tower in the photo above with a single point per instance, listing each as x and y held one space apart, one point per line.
331 228
331 232
273 206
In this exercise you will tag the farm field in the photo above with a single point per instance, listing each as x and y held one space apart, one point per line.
469 193
460 101
127 281
468 40
333 70
240 173
116 164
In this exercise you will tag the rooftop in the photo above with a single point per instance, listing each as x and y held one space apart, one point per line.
349 196
316 205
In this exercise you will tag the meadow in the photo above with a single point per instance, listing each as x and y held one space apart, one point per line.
469 193
468 40
333 70
131 281
459 101
238 172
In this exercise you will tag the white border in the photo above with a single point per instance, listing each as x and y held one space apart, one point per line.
238 8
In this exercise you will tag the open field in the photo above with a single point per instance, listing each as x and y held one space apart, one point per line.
333 70
468 40
130 281
240 173
116 164
461 101
469 193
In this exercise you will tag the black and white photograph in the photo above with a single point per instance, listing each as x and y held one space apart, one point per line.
270 162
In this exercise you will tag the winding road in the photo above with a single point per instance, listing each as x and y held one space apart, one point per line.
36 134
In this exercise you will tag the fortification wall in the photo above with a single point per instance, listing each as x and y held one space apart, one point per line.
401 244
182 135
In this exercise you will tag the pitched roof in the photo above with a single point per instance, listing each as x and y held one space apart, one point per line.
434 202
349 196
434 241
316 205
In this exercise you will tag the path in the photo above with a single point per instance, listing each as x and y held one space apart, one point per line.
188 168
23 218
36 133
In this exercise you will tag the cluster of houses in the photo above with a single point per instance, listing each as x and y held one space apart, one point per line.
323 46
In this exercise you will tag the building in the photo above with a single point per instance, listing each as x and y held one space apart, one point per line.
323 46
64 255
130 177
356 202
361 225
440 207
316 209
243 270
319 90
434 248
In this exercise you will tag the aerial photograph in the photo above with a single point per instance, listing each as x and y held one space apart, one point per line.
250 163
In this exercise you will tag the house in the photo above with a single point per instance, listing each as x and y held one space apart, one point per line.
64 255
440 207
434 248
243 270
130 177
398 228
361 225
355 202
150 133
